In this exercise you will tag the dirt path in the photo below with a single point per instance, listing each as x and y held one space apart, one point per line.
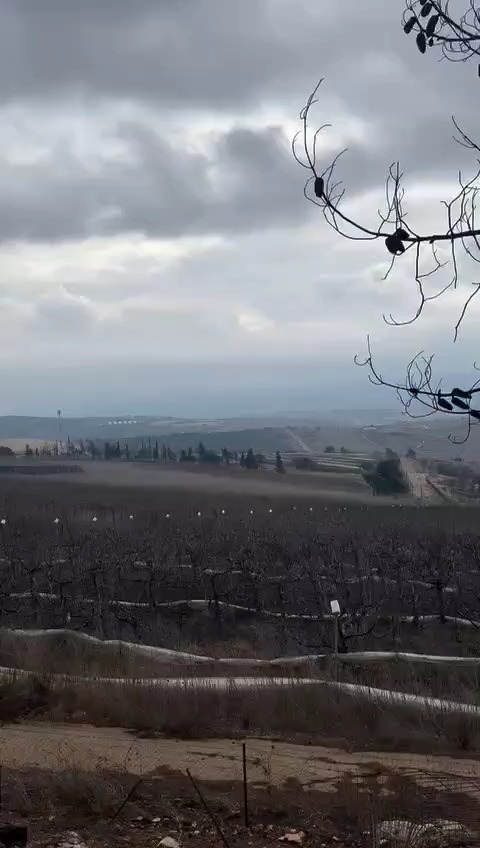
298 441
58 747
419 483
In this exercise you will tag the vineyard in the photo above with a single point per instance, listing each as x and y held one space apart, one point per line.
239 577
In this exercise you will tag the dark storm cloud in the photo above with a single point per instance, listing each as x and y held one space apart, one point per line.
178 51
215 55
161 191
219 53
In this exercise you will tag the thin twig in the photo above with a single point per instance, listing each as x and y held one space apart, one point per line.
127 799
207 809
245 784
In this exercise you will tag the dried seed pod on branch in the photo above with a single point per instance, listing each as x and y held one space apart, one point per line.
421 395
437 25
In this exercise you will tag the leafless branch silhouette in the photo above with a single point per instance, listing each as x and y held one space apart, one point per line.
435 26
421 396
458 39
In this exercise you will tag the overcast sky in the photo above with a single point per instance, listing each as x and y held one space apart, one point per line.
156 250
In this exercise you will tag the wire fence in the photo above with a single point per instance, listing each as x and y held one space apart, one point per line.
361 791
377 796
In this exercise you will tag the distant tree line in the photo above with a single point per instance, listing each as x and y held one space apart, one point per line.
56 448
151 450
6 451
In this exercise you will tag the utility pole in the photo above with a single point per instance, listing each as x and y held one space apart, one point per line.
59 441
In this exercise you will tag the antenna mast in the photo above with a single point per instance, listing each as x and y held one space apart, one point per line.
59 443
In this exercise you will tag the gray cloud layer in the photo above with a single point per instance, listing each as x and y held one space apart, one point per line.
171 120
162 191
179 53
213 55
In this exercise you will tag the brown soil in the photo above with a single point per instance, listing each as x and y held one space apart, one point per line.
62 779
56 747
331 486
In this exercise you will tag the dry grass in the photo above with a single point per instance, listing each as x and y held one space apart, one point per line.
165 802
296 712
55 653
89 800
59 654
450 683
70 790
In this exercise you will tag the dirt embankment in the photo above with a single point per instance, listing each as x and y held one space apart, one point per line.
53 747
342 488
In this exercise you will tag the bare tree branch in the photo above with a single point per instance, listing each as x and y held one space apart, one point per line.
324 190
435 27
420 390
458 39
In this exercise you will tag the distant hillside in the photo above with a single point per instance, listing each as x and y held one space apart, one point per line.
430 437
114 428
27 427
442 438
265 440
